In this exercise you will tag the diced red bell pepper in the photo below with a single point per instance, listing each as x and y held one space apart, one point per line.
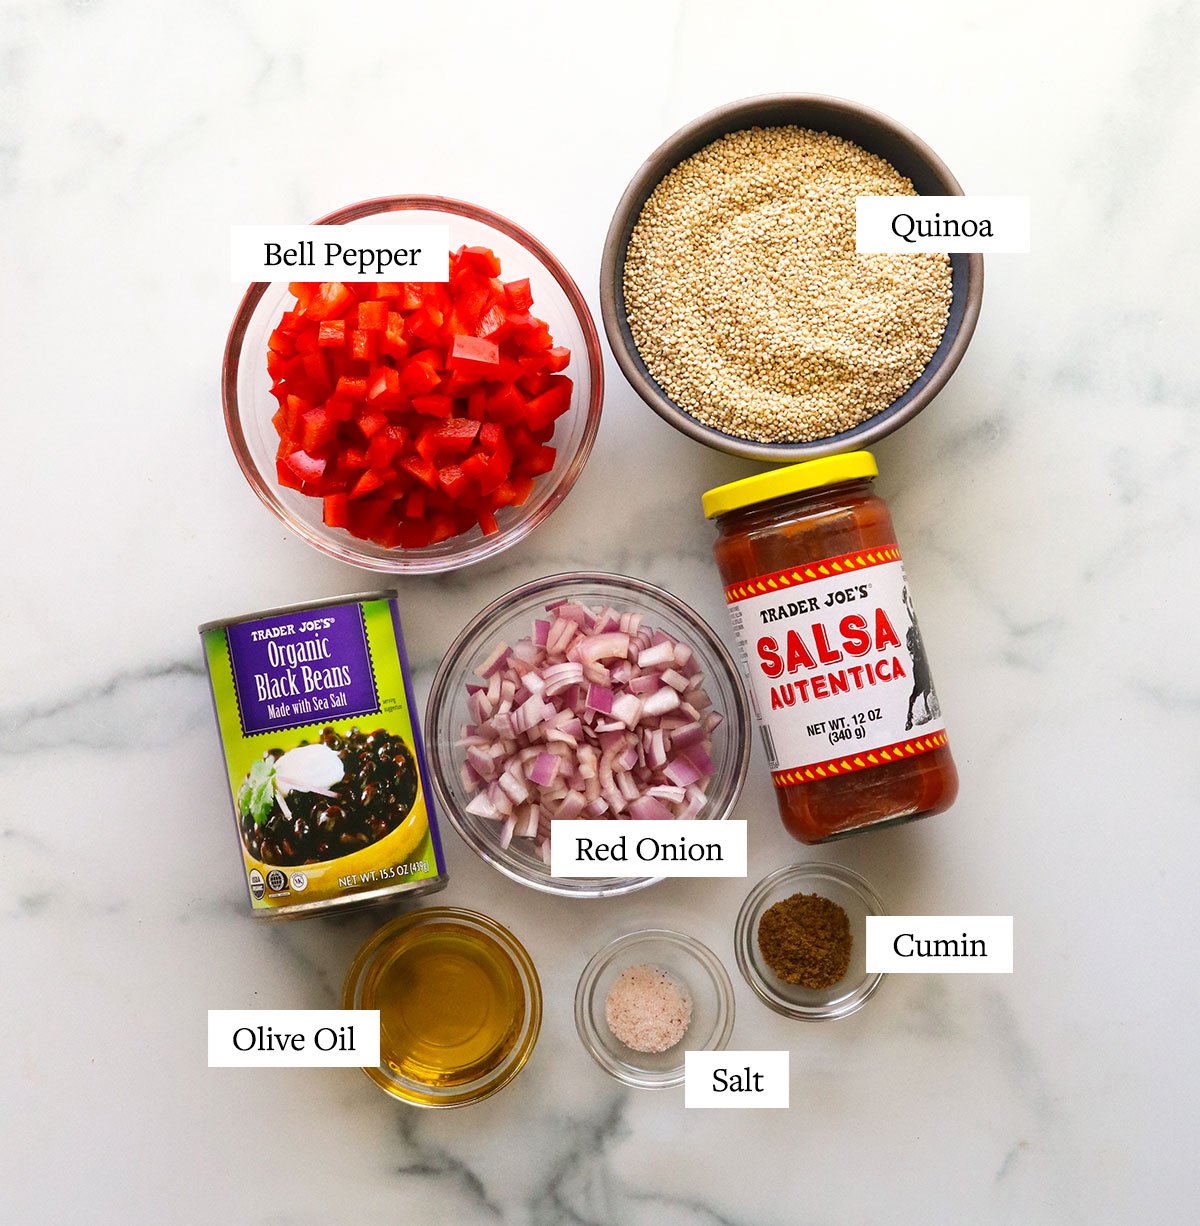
368 483
426 443
519 294
419 376
444 526
394 343
317 429
372 315
367 514
416 410
386 445
285 476
332 335
425 323
433 406
506 405
543 410
493 324
453 480
491 436
304 466
477 404
480 259
337 511
557 359
303 292
456 435
422 469
472 355
414 534
542 461
522 488
371 423
331 300
281 343
364 346
383 389
349 388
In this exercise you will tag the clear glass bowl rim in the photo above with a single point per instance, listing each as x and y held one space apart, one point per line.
451 671
516 1059
402 562
603 959
745 935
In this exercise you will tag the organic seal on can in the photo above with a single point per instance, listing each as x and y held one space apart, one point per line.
324 756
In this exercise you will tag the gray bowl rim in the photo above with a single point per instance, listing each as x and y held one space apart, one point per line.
682 144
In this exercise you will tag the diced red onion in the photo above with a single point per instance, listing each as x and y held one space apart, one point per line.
646 808
600 698
495 662
545 770
594 715
660 654
680 771
660 702
627 708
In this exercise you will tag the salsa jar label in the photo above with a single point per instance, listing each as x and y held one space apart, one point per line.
836 668
325 764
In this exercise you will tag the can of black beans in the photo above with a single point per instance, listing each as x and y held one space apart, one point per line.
323 752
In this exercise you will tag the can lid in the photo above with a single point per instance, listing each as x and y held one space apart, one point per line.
779 482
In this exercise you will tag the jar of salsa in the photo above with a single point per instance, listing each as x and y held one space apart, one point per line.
830 646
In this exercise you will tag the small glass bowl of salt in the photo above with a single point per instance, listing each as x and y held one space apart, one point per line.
655 989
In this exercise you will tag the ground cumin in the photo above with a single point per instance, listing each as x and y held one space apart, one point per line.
806 940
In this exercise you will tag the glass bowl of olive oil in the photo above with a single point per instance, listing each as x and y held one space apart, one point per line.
460 1005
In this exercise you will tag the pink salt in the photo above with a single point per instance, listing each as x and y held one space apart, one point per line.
647 1010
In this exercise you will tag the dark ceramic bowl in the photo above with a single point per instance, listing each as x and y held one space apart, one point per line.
872 131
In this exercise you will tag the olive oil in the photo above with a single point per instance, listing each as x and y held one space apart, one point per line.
451 1004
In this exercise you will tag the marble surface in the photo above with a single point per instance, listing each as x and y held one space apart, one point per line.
1046 503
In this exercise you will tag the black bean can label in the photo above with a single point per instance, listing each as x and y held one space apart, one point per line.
322 746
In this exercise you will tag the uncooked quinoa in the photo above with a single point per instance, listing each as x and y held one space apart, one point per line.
748 302
647 1010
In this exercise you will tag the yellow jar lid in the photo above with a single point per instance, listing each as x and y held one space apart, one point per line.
779 482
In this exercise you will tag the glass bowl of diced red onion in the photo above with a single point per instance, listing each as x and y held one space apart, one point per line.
588 696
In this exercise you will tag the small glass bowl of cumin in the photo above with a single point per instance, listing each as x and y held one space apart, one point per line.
841 886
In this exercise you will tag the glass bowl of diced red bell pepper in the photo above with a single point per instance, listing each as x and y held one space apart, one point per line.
416 428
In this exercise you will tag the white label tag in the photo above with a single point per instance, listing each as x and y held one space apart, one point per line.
736 1079
293 1038
838 676
910 224
340 253
940 944
629 848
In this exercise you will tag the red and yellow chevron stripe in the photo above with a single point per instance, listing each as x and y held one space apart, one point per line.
781 580
859 761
